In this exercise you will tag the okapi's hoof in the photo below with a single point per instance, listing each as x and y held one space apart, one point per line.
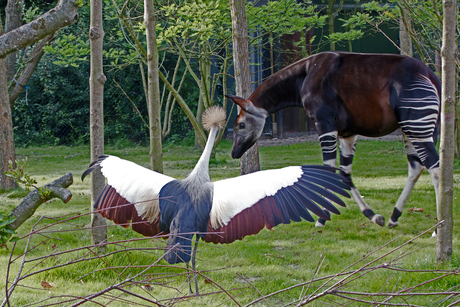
392 224
379 220
321 223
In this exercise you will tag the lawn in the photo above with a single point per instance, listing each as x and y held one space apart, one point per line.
290 259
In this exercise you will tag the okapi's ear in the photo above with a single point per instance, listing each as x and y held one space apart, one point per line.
238 100
247 106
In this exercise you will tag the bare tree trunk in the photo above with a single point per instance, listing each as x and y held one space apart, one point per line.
199 112
404 37
13 12
96 88
332 14
331 18
65 13
447 145
457 130
249 162
156 154
7 152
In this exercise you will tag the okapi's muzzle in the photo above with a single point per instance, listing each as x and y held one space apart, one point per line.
239 146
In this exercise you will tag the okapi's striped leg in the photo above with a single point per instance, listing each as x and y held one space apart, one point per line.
415 169
430 161
347 151
417 114
328 143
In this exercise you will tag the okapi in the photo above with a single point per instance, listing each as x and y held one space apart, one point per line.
349 94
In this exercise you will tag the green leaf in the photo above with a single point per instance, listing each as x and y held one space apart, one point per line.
7 221
8 230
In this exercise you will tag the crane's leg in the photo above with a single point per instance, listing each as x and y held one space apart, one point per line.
193 260
197 237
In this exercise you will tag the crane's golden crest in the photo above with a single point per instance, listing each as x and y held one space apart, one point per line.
213 117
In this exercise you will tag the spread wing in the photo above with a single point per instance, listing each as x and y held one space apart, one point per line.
131 193
245 205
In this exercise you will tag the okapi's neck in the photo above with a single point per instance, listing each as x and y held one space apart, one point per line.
282 89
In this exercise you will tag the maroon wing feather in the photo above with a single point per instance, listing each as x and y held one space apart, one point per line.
248 222
113 206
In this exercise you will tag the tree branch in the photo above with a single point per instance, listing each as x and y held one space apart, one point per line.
64 14
31 202
35 57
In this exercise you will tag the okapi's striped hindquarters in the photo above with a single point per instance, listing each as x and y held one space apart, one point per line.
351 94
418 117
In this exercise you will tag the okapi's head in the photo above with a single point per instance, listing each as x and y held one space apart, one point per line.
248 126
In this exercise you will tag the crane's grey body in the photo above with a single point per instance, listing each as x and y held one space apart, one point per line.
185 206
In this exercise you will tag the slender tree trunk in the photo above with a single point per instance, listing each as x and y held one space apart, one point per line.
457 130
249 162
7 152
332 14
404 37
447 145
156 154
96 87
331 18
199 112
6 132
65 13
13 12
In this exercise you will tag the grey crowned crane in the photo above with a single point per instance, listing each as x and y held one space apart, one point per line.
218 212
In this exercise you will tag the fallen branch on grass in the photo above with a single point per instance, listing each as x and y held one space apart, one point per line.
33 200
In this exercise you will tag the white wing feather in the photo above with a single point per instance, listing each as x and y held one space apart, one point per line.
138 185
231 196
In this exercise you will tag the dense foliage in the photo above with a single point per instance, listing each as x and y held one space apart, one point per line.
54 110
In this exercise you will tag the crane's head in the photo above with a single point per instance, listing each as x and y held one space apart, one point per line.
248 127
213 117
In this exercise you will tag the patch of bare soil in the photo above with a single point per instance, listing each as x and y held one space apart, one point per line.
301 137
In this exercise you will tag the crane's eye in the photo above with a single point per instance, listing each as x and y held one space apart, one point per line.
241 126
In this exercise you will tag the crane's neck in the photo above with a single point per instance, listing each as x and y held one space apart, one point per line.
202 167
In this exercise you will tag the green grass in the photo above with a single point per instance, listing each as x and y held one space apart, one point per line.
270 261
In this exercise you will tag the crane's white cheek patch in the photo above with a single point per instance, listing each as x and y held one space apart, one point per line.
232 196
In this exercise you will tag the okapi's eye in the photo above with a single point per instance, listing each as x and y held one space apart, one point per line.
241 126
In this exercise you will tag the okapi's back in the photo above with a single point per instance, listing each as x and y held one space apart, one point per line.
367 71
363 89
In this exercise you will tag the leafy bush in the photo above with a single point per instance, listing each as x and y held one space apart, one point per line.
6 232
